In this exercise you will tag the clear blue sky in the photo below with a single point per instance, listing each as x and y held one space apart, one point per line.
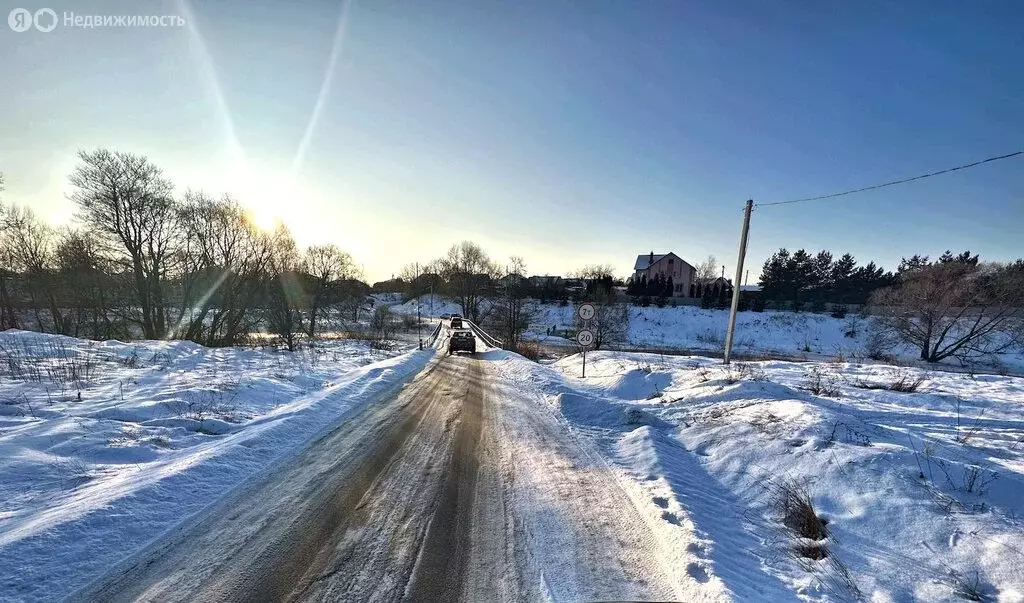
565 132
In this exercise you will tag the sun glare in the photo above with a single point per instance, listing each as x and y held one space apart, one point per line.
266 195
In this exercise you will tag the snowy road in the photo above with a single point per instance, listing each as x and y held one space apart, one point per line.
460 487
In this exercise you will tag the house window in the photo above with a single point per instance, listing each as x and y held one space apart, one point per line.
671 261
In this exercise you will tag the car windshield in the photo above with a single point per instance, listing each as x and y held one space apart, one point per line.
511 300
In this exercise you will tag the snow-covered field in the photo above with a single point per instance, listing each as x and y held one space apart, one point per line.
783 334
104 446
790 334
921 493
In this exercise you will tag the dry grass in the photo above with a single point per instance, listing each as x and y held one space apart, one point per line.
902 381
820 383
529 349
796 511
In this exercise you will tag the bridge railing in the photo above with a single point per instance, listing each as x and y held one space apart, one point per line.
432 339
493 342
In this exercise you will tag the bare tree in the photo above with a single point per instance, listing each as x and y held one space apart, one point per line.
610 324
85 274
326 267
469 272
511 317
285 295
594 272
227 257
126 200
954 309
382 326
8 316
707 272
31 250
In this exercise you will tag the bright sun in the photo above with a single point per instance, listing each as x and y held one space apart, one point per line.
266 194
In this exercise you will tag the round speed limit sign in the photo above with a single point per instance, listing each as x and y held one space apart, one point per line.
587 311
585 338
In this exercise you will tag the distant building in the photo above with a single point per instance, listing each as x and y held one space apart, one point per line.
513 279
541 282
575 285
669 266
716 287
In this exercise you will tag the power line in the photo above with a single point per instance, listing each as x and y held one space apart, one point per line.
885 184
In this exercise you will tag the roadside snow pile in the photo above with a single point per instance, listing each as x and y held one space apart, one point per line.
104 446
818 478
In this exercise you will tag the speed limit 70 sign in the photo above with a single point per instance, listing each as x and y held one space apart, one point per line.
586 311
585 338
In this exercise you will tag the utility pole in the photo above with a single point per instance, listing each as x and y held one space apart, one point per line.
736 283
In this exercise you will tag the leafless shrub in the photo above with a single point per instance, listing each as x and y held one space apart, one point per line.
964 437
703 375
750 372
132 360
966 587
529 349
975 479
820 383
880 342
203 404
965 310
71 472
901 381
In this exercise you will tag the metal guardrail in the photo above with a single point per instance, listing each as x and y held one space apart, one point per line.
491 341
432 339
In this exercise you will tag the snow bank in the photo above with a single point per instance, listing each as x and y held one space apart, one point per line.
922 491
105 446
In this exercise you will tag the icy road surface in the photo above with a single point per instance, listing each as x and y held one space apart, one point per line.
460 487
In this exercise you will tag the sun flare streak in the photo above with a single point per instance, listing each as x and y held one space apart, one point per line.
325 86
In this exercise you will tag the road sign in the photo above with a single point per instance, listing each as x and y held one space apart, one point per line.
585 338
586 311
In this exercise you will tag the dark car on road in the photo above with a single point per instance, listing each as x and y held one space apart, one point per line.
462 340
456 321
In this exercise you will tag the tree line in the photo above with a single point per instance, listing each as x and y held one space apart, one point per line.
800 277
139 260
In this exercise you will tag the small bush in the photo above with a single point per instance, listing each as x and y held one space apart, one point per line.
839 312
529 349
820 383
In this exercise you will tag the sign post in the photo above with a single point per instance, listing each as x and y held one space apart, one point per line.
585 337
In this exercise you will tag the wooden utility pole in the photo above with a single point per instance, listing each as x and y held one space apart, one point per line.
736 283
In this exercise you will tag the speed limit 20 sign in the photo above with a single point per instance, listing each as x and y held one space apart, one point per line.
585 338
